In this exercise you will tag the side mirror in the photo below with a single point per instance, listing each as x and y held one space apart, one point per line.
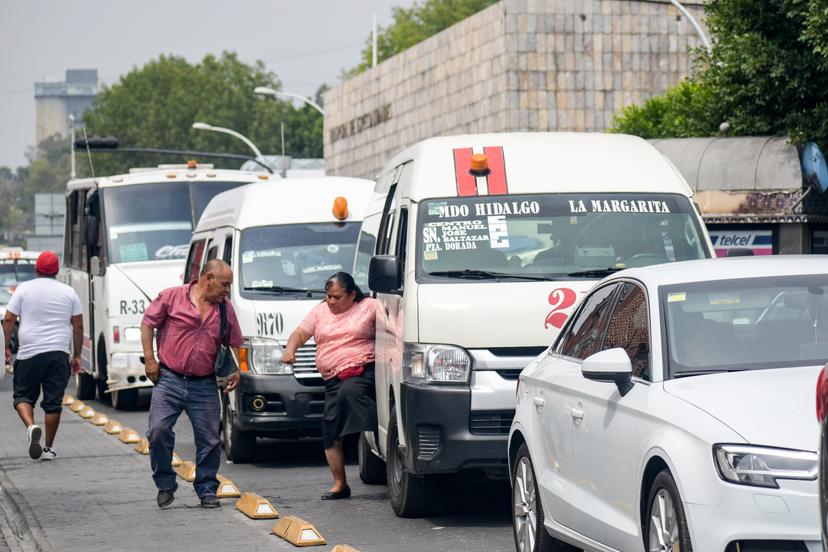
91 224
384 274
96 267
613 366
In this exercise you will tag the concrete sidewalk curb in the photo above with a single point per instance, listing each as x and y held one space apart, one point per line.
18 522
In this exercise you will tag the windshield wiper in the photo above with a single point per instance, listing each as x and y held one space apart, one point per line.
705 371
485 275
595 272
283 289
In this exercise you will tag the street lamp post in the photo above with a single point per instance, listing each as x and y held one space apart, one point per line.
267 91
240 136
695 24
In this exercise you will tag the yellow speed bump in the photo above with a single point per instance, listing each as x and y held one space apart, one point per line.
86 412
186 471
344 548
143 446
68 400
256 507
129 436
176 460
297 531
99 419
113 428
76 406
226 488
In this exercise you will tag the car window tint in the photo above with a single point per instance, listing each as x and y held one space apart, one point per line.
629 329
584 334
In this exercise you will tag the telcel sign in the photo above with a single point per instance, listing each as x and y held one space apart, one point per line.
758 241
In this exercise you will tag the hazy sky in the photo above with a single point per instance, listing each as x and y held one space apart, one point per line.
305 42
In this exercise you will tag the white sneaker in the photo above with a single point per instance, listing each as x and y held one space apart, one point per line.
34 434
48 454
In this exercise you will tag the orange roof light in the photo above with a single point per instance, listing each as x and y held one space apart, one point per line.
263 177
340 208
479 165
191 164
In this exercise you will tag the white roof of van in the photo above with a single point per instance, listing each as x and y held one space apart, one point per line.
168 175
286 201
543 162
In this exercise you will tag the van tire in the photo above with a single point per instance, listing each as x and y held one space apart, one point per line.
84 386
125 399
371 467
411 495
239 446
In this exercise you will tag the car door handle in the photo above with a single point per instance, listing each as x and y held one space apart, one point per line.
576 413
539 402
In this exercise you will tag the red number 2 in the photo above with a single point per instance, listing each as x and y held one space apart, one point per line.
560 299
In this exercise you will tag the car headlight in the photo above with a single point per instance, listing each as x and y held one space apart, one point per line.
762 466
435 363
264 356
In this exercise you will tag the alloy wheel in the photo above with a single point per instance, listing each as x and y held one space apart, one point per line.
525 508
664 529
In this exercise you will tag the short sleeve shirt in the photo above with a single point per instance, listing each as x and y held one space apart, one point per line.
45 307
342 340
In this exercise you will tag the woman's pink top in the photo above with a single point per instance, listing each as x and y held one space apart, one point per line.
342 340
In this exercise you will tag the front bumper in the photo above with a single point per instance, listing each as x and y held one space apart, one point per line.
290 406
442 435
125 370
752 516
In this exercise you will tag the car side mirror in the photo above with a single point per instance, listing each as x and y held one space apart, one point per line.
384 274
613 366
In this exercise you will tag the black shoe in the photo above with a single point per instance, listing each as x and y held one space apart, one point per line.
165 497
210 501
330 495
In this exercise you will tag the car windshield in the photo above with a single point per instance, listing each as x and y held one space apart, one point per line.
14 271
5 297
294 257
147 222
558 236
746 324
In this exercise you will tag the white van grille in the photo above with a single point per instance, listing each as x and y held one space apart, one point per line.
305 366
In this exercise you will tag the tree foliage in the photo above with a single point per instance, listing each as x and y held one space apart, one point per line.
415 24
767 74
156 105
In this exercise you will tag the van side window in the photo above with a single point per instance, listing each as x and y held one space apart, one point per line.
402 230
227 256
212 253
386 222
74 237
194 261
366 246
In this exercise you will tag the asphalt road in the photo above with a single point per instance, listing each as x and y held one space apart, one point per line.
473 514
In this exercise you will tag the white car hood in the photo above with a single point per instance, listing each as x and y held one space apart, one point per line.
152 277
766 407
506 314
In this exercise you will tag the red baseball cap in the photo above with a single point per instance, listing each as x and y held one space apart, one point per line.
47 263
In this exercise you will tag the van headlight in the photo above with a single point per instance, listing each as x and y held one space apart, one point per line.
435 363
762 466
264 356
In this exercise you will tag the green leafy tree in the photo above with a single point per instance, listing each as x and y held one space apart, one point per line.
156 105
767 74
415 24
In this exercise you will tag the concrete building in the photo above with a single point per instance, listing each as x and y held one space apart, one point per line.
55 101
519 65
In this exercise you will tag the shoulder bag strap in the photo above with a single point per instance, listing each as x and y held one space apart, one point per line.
223 337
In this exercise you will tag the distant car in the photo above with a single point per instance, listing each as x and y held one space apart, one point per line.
16 266
668 414
5 297
822 418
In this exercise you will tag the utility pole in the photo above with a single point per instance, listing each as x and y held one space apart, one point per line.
374 40
71 145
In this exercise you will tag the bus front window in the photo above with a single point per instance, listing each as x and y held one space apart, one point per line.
147 222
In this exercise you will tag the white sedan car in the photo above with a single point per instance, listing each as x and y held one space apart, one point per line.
675 412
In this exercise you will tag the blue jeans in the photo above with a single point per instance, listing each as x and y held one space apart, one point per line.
199 398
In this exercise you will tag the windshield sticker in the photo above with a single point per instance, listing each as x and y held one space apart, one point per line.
618 206
498 233
333 249
132 252
250 256
725 299
431 255
454 235
322 268
677 297
435 208
261 283
172 252
148 227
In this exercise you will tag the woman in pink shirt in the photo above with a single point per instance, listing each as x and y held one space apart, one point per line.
343 329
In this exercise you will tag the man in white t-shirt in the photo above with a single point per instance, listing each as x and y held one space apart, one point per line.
50 317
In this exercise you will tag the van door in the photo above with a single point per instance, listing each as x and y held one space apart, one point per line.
77 263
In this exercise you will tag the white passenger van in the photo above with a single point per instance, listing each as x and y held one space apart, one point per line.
125 240
283 240
478 248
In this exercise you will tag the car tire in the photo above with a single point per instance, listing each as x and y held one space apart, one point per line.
411 495
371 467
84 386
239 446
665 523
527 510
125 399
101 377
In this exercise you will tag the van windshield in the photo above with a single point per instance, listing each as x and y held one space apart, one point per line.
555 236
293 257
14 271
